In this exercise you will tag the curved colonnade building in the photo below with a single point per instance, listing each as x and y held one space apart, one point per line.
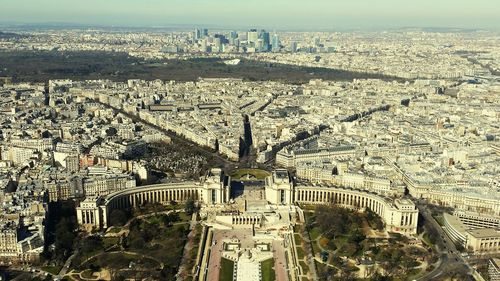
399 215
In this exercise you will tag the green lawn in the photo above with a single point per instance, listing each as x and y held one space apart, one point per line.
309 216
122 260
298 238
324 270
54 270
184 217
115 229
300 253
427 240
157 219
315 246
226 270
340 241
110 241
88 274
305 267
314 233
439 219
153 242
163 243
254 174
81 257
267 270
308 207
194 250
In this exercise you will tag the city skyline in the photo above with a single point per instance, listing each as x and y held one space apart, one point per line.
318 14
196 140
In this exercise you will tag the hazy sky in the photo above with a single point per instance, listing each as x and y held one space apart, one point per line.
304 14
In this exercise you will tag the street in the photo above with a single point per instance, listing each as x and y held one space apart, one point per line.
449 259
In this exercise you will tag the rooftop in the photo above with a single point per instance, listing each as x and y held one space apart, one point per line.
485 233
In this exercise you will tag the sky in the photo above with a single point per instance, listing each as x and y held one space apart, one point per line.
281 14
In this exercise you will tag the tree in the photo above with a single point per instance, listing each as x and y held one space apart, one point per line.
182 230
391 259
94 267
118 217
61 219
374 220
110 132
169 219
433 234
166 220
460 247
91 244
332 220
379 277
64 237
149 230
356 236
137 243
47 278
168 273
326 273
407 263
116 277
350 249
383 256
174 217
190 206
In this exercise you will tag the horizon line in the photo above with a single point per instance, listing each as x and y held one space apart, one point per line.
181 26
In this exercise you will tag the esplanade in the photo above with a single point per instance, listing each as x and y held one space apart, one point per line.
399 215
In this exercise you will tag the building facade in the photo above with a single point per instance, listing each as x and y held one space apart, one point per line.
399 215
479 240
279 188
16 249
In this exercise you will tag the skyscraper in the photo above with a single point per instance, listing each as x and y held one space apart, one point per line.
293 46
266 42
204 45
276 43
317 41
197 34
204 32
259 46
223 38
218 45
252 36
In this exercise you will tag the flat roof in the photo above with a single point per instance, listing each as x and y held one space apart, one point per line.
455 223
404 201
485 233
